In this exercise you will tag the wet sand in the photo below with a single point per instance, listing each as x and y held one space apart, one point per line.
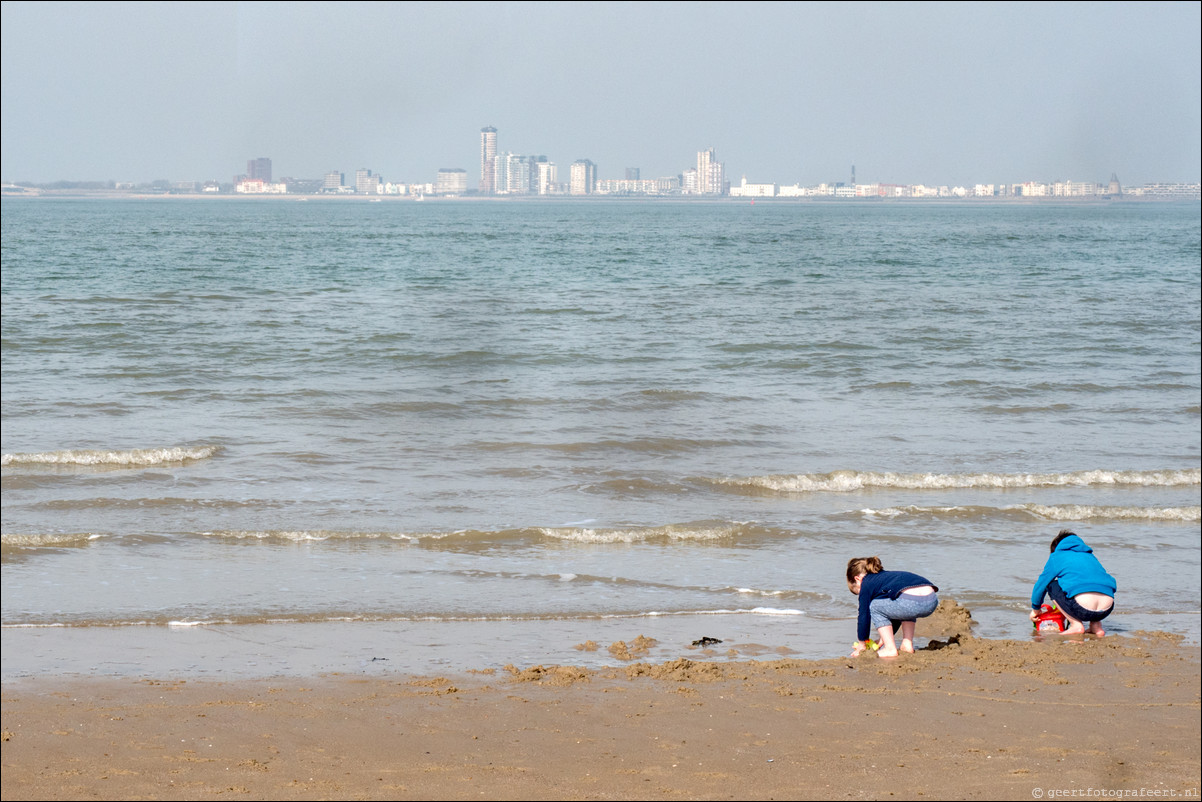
963 718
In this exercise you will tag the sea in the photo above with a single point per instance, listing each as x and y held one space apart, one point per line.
271 437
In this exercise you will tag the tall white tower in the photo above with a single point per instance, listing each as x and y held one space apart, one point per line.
711 173
488 151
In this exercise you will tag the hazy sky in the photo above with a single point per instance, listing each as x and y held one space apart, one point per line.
784 92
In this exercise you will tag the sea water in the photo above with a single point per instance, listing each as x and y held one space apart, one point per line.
260 436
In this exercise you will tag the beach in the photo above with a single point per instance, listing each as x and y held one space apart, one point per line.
964 718
407 500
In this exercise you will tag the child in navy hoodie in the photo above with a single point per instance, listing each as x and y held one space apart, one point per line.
889 600
1077 583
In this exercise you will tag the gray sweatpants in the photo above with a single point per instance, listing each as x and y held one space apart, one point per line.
885 612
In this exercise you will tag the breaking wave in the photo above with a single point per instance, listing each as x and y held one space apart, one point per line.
133 458
715 530
695 531
36 541
849 481
1044 512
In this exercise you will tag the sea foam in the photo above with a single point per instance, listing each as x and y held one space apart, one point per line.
133 458
1050 512
848 480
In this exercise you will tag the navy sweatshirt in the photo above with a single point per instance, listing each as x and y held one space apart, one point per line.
885 585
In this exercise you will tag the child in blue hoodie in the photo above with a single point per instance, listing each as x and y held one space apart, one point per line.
1077 583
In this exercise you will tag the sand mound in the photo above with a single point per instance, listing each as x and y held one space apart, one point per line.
951 621
550 675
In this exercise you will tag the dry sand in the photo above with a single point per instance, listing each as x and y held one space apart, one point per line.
964 718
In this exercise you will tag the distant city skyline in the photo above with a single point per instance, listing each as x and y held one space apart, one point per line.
948 93
708 177
508 174
505 174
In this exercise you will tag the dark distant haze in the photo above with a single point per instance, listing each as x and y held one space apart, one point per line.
785 92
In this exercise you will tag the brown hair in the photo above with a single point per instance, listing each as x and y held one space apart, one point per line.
1063 534
863 565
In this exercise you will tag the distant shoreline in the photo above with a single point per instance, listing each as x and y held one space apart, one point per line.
108 194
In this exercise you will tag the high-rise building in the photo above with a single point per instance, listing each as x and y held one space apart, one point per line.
688 182
704 159
582 178
632 174
518 170
488 153
711 174
547 177
512 174
332 180
259 169
500 173
535 175
365 182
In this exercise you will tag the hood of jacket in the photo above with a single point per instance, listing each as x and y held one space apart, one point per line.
1073 543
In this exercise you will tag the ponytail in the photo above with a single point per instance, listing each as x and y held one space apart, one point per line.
863 565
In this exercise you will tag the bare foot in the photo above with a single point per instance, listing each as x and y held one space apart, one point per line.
907 646
884 651
1095 629
1075 628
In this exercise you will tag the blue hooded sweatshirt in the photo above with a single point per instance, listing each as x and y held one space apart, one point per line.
1073 565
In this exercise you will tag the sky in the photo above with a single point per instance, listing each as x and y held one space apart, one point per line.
909 93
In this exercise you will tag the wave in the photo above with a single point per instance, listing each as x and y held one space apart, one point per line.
169 502
849 481
1045 512
13 543
780 594
317 535
40 541
463 539
695 531
702 531
129 458
642 445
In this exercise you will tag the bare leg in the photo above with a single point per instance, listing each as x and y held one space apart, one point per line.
888 645
1095 629
907 644
1075 627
